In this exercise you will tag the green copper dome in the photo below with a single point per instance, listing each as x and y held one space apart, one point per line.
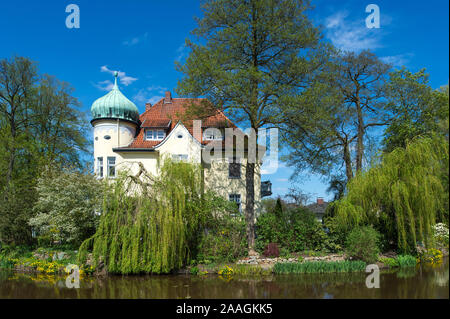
115 105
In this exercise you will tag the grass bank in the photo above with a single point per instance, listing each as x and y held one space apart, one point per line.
319 267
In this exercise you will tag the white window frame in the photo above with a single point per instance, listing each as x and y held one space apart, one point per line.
100 166
108 165
212 134
155 135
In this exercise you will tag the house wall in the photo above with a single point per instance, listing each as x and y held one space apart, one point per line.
120 133
179 141
216 177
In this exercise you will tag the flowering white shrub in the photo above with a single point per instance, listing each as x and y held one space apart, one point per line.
441 233
66 207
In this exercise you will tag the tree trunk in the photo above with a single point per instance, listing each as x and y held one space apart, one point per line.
250 204
12 154
360 140
348 162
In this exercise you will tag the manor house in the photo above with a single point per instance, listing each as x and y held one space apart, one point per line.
123 138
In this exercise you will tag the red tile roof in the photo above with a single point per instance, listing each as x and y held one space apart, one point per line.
169 114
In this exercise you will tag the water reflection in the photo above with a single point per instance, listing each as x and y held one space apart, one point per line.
422 282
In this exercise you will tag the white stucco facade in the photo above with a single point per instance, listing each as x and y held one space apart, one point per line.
112 135
123 139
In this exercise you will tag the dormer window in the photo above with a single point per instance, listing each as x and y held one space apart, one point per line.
212 134
155 135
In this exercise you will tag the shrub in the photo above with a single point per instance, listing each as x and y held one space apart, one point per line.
406 261
65 210
271 250
224 239
251 270
335 239
402 195
440 234
431 256
390 262
226 271
295 230
319 267
150 224
194 270
363 244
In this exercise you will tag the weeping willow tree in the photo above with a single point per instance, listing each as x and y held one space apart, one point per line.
403 195
148 224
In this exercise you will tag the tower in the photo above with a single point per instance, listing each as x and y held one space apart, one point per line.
115 120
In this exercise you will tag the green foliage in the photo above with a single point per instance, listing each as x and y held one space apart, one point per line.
431 256
224 239
402 196
418 109
194 270
150 225
325 121
40 125
406 261
67 207
319 267
363 244
336 236
249 54
251 270
293 230
390 262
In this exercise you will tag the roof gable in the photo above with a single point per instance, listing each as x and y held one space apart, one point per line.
168 114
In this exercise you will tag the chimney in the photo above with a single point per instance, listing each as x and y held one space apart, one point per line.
168 98
148 106
320 201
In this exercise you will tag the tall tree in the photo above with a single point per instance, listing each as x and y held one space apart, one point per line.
319 131
39 126
17 86
17 80
360 79
417 108
327 125
403 195
251 53
58 123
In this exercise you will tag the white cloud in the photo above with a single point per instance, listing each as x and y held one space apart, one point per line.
182 52
135 40
123 78
104 85
151 94
351 35
398 60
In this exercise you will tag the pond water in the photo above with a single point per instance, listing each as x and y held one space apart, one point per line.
420 282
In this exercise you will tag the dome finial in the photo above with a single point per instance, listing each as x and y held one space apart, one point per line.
116 74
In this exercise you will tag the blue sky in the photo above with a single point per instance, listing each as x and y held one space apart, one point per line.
142 39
